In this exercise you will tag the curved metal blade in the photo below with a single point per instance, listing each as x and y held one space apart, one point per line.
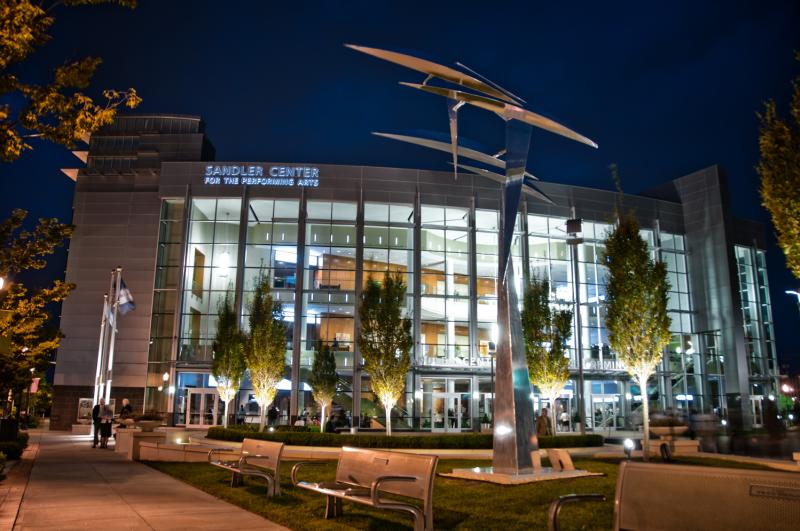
467 153
505 110
492 83
430 68
444 146
529 187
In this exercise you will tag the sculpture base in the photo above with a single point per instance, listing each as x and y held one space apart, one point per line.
544 474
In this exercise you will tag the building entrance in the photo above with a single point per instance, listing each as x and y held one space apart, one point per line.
204 408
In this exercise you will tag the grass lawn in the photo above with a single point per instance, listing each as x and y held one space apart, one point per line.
458 504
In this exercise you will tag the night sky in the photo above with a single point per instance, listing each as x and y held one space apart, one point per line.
664 90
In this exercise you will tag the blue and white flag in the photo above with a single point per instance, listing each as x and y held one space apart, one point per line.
125 300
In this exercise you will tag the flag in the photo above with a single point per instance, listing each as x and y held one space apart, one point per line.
125 299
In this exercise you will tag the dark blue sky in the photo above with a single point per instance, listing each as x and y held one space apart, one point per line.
664 90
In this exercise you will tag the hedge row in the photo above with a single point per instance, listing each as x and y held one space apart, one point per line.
472 441
13 449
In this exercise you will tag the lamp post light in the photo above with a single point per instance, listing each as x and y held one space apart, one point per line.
628 447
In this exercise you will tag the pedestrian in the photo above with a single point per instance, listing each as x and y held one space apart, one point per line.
240 415
543 427
106 419
127 409
272 414
96 420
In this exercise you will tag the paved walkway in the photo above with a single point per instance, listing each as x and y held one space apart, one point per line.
73 486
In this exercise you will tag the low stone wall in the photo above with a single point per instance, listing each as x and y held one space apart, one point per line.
181 453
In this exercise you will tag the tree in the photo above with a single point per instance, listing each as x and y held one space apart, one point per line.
779 168
546 333
228 364
636 307
55 111
385 339
28 340
323 379
265 350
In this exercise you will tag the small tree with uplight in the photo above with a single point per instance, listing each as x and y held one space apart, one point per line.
323 379
546 332
228 365
265 347
385 339
636 307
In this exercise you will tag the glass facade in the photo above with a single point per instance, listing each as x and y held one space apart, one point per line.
318 254
160 377
759 339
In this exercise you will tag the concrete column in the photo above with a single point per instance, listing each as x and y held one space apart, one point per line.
299 275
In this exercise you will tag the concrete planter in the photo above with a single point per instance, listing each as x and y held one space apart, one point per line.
148 425
669 432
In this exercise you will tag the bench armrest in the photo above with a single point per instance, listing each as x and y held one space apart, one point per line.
297 466
555 506
213 450
376 485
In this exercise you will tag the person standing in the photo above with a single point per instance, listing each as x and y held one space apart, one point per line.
106 419
543 427
127 409
96 420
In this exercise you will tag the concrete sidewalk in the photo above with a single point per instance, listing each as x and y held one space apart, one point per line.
73 486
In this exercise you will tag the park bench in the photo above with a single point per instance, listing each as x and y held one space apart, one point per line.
365 476
257 458
681 497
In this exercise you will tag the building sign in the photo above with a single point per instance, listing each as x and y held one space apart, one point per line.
281 176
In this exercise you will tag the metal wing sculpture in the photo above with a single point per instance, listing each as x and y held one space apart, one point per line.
490 97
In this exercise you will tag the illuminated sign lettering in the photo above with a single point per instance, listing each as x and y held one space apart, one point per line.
282 176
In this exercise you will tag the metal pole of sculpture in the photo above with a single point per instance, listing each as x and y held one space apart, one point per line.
514 438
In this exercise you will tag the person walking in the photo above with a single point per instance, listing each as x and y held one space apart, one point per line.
96 420
543 427
106 419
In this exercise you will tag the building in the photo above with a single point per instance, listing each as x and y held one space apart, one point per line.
190 231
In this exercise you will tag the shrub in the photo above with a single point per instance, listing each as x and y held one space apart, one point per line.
13 449
473 441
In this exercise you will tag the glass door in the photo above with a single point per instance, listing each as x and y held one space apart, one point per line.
757 409
449 412
605 411
204 408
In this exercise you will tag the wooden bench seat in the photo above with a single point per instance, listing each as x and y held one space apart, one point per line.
364 476
257 458
681 497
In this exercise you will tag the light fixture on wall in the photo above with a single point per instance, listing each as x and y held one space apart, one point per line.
224 262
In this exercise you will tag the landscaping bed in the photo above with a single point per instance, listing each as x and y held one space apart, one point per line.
471 441
458 504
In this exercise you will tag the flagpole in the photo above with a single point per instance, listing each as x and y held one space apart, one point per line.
115 306
100 351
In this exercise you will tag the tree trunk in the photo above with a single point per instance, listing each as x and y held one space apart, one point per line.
388 420
322 418
262 419
645 417
225 417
